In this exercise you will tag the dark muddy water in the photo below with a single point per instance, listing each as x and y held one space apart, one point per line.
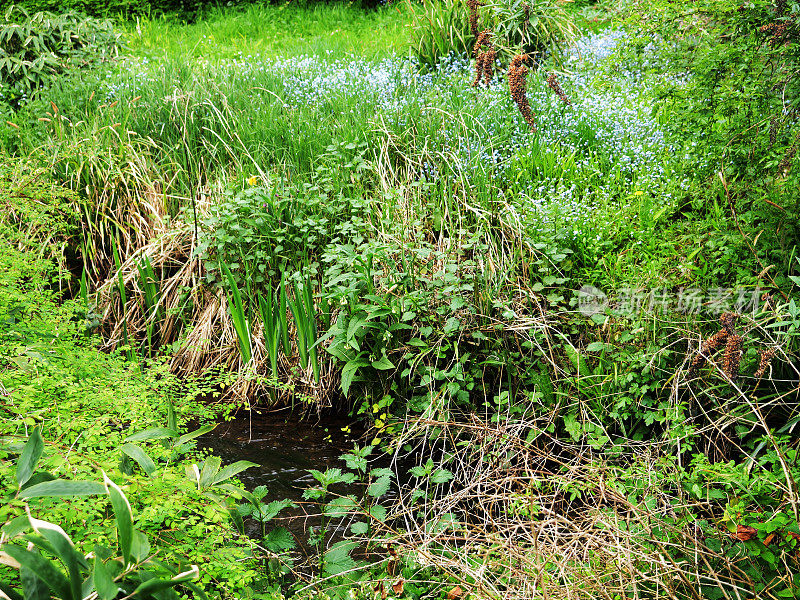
285 448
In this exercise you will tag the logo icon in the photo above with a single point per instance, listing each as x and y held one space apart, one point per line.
591 301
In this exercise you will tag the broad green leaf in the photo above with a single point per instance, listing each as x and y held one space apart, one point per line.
209 471
152 586
31 454
596 347
33 587
124 516
235 491
43 568
156 433
140 547
278 540
382 364
38 477
140 456
187 437
62 545
379 487
63 488
103 583
232 470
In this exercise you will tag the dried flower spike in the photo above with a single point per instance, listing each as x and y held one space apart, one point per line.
473 6
488 65
708 347
517 84
552 82
764 359
733 354
479 68
728 321
483 39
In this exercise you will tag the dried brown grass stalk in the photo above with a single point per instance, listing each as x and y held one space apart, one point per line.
514 500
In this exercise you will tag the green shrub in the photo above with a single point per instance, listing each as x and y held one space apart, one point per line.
440 28
535 27
35 48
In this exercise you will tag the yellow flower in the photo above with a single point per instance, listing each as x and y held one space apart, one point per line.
252 180
638 193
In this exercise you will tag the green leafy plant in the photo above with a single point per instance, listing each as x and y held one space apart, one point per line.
36 48
133 574
439 29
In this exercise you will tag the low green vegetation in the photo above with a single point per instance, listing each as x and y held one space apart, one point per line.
546 254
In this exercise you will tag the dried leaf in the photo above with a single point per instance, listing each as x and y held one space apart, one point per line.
768 539
455 593
397 586
745 533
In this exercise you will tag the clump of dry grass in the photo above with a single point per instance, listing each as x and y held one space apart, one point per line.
549 519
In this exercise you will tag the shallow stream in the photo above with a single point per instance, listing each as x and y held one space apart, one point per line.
285 448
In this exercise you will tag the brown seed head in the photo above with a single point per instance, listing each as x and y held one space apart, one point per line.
488 65
733 354
728 321
552 82
707 348
484 38
517 84
479 61
765 359
473 6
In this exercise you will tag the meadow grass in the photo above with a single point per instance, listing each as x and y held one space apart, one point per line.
284 29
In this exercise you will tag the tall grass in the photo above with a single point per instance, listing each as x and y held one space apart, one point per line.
286 29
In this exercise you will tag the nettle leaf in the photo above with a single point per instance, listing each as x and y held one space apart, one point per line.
279 540
441 476
359 528
378 512
379 487
340 507
356 463
382 472
337 559
271 510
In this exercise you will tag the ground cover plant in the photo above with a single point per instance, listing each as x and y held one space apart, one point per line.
547 254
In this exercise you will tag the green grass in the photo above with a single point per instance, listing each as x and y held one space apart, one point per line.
288 29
